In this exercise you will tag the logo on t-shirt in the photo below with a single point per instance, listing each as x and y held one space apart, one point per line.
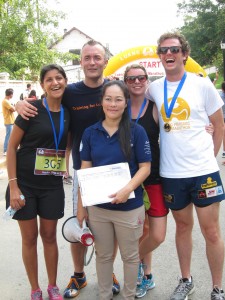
178 119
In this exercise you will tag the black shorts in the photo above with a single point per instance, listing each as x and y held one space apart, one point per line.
201 191
47 203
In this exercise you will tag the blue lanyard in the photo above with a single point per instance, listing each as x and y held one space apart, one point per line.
61 124
169 109
140 111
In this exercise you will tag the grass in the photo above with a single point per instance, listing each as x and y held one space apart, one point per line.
219 82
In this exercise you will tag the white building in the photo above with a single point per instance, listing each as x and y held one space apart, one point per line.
71 41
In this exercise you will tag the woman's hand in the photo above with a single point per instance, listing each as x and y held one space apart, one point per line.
210 128
121 196
82 215
25 109
17 200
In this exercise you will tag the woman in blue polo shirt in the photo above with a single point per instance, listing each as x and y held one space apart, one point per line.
113 140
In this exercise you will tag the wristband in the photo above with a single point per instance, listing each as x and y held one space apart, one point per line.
12 179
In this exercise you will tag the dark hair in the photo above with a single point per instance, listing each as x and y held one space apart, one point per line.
28 85
124 131
9 92
94 43
223 86
133 66
185 47
32 93
48 68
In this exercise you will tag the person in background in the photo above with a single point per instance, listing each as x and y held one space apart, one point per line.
188 165
8 110
222 95
83 100
114 140
35 165
32 96
144 112
216 78
25 94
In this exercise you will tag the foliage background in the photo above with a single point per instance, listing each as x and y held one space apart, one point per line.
27 29
204 27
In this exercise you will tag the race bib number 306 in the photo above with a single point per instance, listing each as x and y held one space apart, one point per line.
50 162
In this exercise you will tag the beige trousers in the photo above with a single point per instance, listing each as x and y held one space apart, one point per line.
126 227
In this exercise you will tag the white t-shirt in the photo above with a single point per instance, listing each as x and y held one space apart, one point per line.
186 150
26 93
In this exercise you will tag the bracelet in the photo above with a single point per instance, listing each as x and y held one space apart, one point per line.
12 179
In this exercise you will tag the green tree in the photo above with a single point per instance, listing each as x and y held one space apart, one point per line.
204 27
26 32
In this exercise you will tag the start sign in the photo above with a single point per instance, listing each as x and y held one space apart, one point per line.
148 58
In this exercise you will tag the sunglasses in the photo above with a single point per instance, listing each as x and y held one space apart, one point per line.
132 79
173 49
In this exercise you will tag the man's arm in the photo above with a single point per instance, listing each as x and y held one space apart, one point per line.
218 123
25 109
6 104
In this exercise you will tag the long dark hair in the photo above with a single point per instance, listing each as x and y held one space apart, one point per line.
32 93
124 130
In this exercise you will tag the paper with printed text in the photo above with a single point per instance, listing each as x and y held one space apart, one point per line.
97 183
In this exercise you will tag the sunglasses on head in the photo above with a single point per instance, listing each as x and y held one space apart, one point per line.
173 49
132 79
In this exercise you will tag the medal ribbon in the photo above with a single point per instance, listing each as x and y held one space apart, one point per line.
140 111
61 124
169 109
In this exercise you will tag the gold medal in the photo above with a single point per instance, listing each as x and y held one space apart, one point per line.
167 127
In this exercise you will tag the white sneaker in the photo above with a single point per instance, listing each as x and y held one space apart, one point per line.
4 154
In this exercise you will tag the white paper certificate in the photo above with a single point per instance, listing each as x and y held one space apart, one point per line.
97 183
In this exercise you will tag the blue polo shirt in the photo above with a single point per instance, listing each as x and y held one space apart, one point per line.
101 149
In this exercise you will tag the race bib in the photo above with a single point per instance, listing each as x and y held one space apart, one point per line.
50 162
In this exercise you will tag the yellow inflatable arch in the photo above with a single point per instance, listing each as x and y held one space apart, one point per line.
144 52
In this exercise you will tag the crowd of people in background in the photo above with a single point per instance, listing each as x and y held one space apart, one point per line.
8 110
123 124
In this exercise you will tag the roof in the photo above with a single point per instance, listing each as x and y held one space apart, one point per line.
68 32
74 28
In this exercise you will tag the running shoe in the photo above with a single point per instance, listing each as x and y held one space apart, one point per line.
36 295
217 294
183 290
146 285
116 285
53 293
74 286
